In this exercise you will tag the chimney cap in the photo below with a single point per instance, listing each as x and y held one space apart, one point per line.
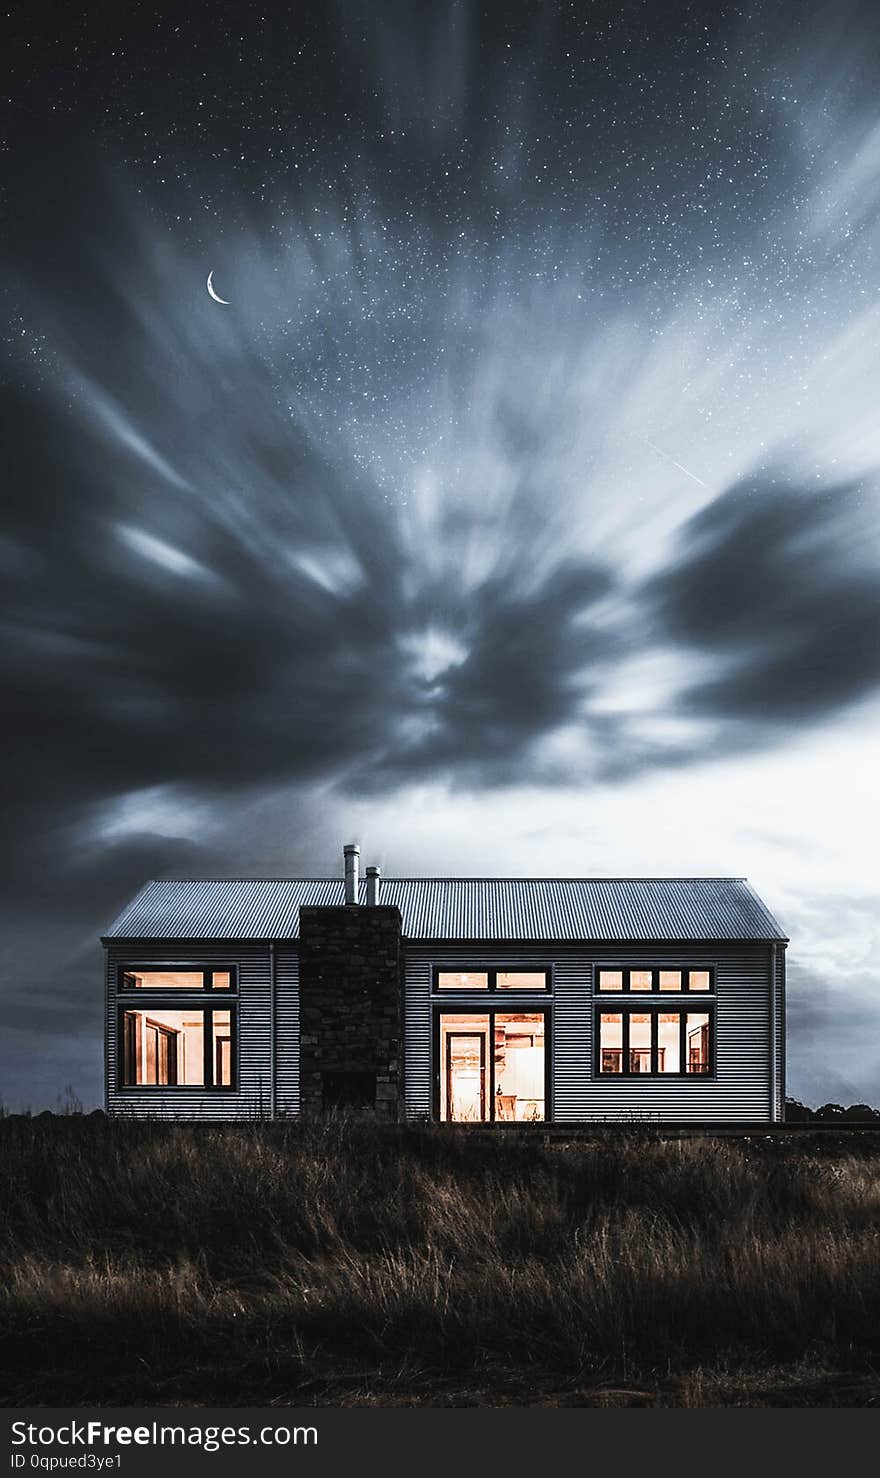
373 872
351 847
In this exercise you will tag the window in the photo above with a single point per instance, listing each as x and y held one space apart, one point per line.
697 1042
611 1042
659 1042
669 1042
491 1066
184 1048
639 1055
169 1034
521 980
653 978
462 980
190 977
468 980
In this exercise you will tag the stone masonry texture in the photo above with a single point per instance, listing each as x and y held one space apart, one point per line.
351 1001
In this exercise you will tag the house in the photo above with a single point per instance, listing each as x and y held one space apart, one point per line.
503 1000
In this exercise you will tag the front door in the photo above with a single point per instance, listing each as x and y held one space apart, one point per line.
466 1077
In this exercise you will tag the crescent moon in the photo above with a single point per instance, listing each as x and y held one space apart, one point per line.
216 296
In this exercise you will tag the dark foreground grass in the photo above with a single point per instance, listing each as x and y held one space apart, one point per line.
344 1264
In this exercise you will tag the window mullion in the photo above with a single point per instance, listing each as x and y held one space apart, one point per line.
491 1071
624 1037
208 1048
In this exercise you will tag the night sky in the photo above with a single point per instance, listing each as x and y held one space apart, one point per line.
518 515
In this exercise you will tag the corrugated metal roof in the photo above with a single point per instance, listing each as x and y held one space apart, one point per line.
460 908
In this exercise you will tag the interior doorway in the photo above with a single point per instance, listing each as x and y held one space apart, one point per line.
466 1076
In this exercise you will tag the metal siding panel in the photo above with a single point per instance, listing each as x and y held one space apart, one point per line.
572 1038
417 1037
780 1037
287 1031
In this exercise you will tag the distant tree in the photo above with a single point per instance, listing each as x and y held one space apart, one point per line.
799 1113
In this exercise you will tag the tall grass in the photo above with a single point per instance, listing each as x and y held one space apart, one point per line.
341 1263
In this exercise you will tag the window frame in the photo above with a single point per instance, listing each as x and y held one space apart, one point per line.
172 992
208 1045
655 992
656 1009
438 1009
206 998
478 992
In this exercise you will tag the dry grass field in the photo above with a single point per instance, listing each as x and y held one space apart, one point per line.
344 1264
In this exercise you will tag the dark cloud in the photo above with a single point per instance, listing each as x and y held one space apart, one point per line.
527 658
780 583
187 651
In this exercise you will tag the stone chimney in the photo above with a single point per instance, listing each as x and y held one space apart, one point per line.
351 1003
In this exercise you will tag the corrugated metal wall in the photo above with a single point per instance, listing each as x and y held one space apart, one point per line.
417 1036
287 1031
744 1088
780 1033
741 1090
252 1097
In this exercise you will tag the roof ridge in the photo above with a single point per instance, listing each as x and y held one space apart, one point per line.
690 877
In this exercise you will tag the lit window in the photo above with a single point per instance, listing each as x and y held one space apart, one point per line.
187 1048
492 1066
661 1043
521 980
163 980
518 1051
611 1042
222 1055
697 1037
492 980
669 1042
651 978
639 1043
132 977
